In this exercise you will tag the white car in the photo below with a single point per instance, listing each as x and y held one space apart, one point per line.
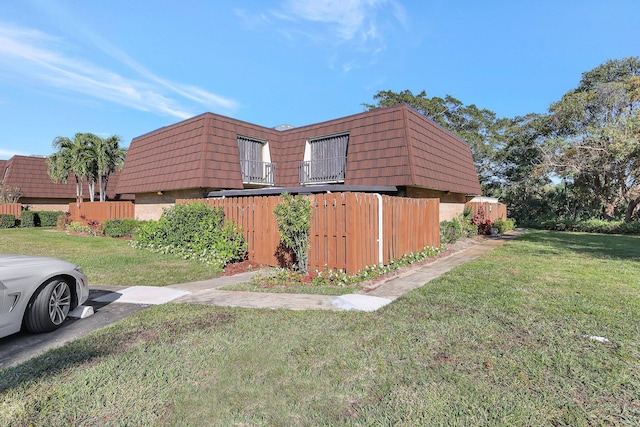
38 293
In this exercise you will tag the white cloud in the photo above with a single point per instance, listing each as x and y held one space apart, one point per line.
39 57
344 20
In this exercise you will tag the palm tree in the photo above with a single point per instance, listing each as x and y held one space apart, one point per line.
108 156
73 157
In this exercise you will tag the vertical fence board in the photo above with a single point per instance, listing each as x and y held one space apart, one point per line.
14 209
100 211
492 211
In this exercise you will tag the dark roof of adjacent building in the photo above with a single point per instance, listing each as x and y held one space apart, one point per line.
29 174
394 146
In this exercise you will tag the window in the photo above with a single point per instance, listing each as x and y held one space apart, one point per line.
255 161
325 159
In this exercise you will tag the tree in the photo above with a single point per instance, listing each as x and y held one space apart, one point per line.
73 157
108 157
90 158
10 194
478 127
595 145
518 180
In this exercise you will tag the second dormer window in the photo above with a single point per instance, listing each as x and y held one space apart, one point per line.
325 159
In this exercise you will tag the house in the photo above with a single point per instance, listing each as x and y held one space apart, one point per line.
39 193
394 150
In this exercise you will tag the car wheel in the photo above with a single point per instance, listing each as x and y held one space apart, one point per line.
50 307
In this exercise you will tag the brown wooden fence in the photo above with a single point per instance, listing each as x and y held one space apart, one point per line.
100 211
14 209
492 211
344 228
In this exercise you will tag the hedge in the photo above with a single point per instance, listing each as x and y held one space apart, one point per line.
40 218
7 221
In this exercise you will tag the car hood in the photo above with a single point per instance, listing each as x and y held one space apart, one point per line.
13 261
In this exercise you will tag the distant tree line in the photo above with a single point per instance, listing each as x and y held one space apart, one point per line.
89 158
580 160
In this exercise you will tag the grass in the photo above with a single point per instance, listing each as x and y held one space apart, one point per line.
292 288
281 280
105 261
503 340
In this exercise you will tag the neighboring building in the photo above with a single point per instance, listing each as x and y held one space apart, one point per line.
395 150
29 174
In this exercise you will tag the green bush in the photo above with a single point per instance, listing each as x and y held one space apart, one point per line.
29 219
293 216
49 218
450 231
459 227
591 226
629 228
40 218
78 227
504 225
194 231
7 221
124 227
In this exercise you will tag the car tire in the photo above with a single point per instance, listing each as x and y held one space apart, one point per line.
50 307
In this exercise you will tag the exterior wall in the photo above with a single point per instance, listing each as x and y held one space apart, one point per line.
448 211
150 205
451 204
54 205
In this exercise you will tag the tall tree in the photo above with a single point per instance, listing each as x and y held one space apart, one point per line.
518 181
596 140
478 127
108 157
73 157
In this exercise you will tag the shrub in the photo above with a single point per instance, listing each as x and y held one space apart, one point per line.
629 228
484 225
40 218
78 227
450 231
458 227
7 221
194 231
124 227
504 225
293 215
591 226
63 221
29 219
49 218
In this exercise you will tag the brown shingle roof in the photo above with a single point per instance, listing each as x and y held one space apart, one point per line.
29 173
388 146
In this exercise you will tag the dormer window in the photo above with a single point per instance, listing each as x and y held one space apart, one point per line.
255 161
325 160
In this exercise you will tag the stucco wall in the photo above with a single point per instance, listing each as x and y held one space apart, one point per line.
45 204
451 204
150 205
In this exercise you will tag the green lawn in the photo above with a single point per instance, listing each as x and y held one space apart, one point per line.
503 340
105 261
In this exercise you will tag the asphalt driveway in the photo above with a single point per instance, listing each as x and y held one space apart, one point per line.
22 346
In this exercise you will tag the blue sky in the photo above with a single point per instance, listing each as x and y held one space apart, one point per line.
129 67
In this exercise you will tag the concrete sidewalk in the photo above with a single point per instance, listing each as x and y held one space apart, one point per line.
209 292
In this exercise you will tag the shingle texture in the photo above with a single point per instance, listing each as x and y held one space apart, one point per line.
393 146
29 173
